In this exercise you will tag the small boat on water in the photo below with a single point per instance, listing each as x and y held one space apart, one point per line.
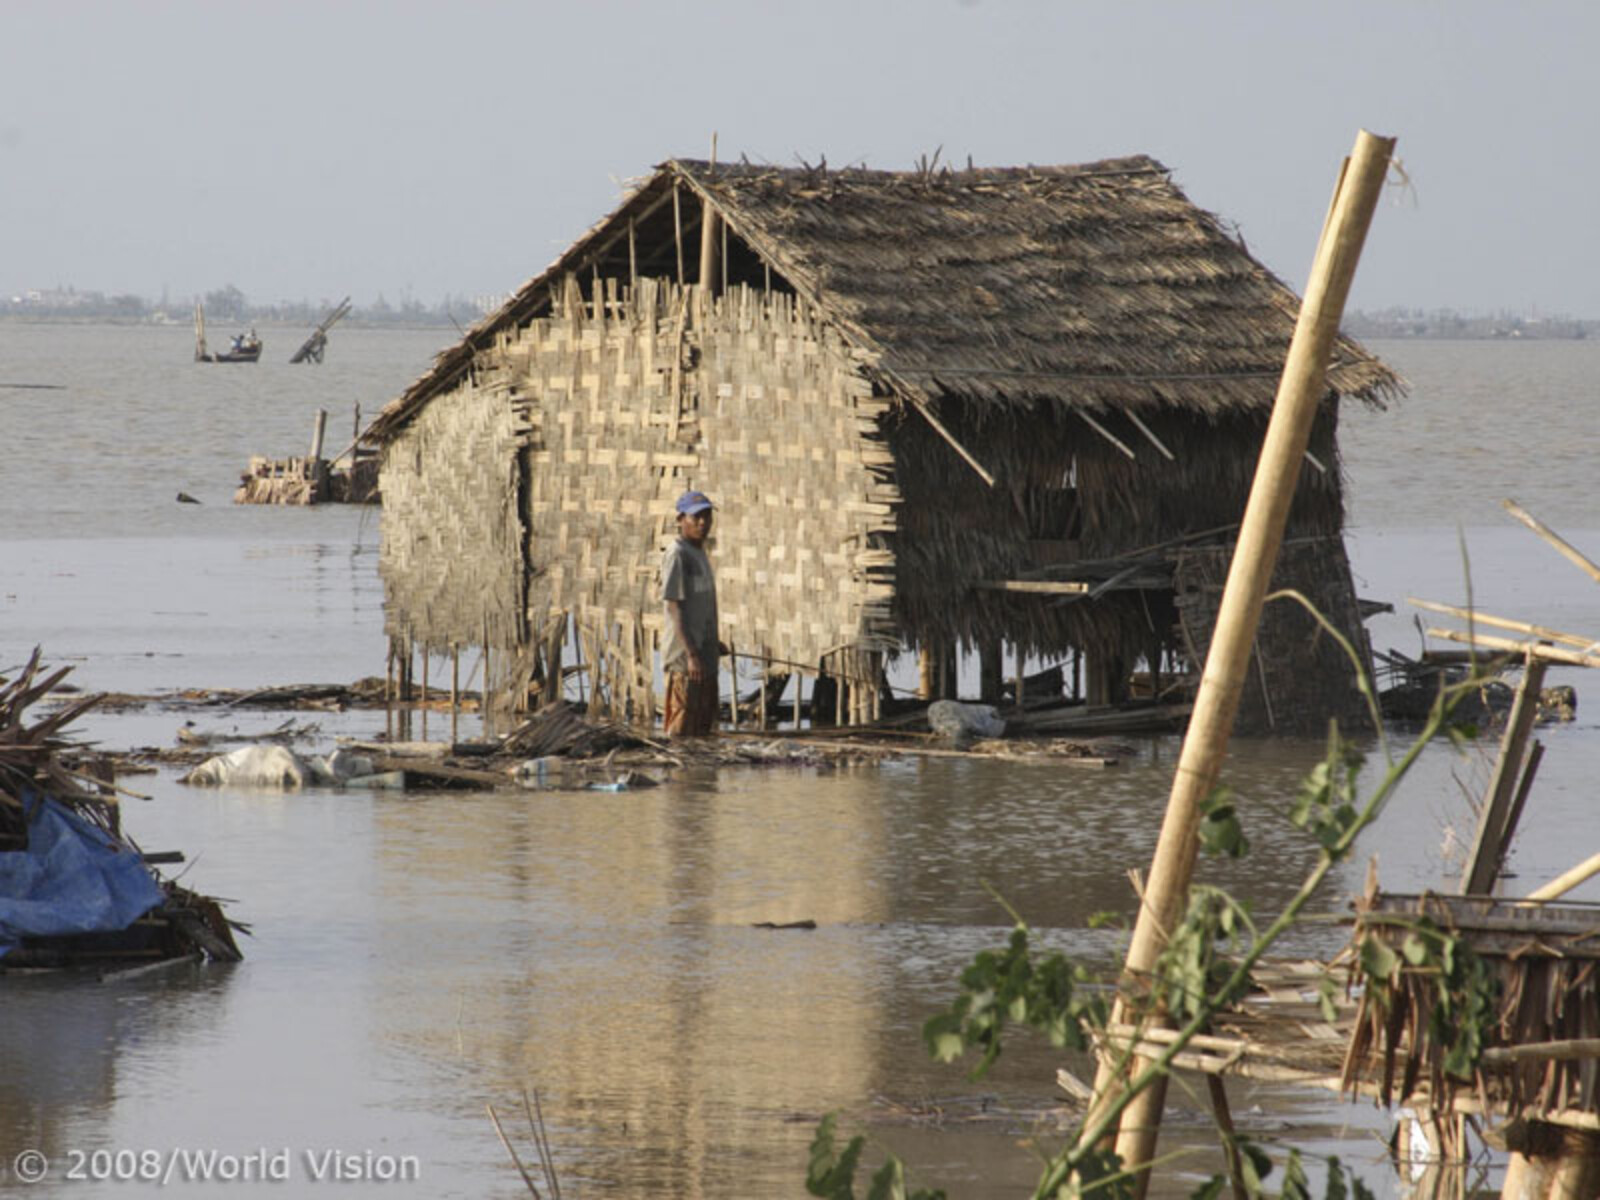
246 347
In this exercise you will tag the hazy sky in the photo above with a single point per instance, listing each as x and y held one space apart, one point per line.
305 150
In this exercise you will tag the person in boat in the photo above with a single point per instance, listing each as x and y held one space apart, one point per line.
689 599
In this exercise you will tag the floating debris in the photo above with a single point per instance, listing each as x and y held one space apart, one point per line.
75 890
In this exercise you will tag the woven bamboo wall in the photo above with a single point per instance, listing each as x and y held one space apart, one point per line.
1298 677
452 535
750 400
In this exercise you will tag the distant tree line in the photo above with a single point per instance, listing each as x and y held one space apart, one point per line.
229 304
1448 323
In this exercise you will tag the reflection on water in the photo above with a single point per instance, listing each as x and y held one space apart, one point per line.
418 955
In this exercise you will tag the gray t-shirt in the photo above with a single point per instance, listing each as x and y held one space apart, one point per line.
686 577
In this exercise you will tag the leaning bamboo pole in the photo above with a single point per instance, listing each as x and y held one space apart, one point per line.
1300 392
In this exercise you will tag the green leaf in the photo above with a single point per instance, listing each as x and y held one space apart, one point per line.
1378 961
1210 1189
830 1177
1295 1184
1254 1164
1327 996
1335 1190
1219 831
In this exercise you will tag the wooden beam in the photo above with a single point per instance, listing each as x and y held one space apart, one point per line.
1042 587
1150 433
922 407
1105 433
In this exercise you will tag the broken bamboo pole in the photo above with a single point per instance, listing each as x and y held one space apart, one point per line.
319 429
1571 553
1300 393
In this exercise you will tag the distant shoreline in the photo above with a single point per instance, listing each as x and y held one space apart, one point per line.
215 323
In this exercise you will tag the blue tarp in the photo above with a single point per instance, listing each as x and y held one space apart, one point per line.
72 878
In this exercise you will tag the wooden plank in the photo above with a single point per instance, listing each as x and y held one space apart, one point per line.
1494 828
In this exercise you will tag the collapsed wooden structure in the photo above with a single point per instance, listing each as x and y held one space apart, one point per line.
1459 1005
937 409
350 477
40 768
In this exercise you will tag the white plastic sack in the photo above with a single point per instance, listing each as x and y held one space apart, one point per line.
254 766
965 722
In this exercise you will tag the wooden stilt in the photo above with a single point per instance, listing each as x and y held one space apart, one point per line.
799 687
1020 679
677 229
1230 1146
487 706
455 692
991 672
925 674
633 258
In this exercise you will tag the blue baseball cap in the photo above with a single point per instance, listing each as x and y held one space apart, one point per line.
693 502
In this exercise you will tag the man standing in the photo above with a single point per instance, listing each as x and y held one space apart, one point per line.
689 596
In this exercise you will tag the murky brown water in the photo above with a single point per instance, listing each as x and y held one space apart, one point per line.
417 956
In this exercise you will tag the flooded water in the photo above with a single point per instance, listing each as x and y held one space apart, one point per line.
416 957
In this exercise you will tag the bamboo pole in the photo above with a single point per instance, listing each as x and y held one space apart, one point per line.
1549 535
1480 618
1300 392
1534 650
1567 880
1150 434
677 228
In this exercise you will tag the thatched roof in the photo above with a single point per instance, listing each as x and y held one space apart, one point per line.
1097 286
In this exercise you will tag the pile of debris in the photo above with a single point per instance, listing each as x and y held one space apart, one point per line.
75 891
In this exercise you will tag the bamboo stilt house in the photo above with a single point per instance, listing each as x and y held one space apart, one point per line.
934 408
